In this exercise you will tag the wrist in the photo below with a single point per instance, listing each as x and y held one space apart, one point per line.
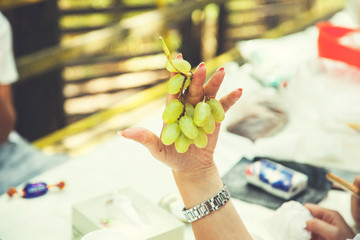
198 186
207 207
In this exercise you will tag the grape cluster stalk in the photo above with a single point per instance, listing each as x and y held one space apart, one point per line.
186 124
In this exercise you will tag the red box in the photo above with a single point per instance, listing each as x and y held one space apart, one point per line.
329 45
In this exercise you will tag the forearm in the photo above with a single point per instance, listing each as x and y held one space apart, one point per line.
7 113
7 121
225 223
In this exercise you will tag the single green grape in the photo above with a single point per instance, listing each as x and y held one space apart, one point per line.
201 113
189 110
182 143
188 127
217 110
176 82
201 140
172 111
182 65
170 133
209 126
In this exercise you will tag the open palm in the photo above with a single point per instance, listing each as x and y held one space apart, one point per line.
195 159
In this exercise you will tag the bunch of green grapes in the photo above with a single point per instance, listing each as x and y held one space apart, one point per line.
186 124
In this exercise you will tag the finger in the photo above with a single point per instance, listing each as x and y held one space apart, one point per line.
357 181
230 99
170 97
212 86
146 138
317 211
195 93
321 228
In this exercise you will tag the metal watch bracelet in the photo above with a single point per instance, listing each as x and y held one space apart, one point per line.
205 208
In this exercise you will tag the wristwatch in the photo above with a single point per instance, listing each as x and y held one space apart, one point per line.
205 208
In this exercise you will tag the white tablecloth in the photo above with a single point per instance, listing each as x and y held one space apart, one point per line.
115 164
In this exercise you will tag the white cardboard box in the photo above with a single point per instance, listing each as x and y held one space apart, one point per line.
156 223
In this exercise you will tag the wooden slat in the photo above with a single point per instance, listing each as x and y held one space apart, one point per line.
298 23
82 30
270 8
91 43
81 81
8 4
236 20
112 58
305 19
118 89
110 10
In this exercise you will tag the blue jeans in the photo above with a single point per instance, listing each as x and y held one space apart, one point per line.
20 161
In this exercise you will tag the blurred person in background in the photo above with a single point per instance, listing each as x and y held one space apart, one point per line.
8 75
19 161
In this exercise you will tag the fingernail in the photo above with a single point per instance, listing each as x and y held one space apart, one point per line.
240 91
220 69
119 133
202 64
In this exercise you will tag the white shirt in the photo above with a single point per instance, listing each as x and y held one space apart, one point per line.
8 73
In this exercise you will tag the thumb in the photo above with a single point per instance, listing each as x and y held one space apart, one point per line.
357 182
320 228
147 138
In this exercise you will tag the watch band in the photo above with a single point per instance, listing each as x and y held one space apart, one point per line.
205 208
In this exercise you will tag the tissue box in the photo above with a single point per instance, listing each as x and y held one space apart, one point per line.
155 223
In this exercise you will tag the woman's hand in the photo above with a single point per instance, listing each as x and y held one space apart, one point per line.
195 161
327 224
194 171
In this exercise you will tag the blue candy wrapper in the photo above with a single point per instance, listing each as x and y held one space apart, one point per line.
276 179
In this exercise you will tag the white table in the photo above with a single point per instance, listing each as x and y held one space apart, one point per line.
121 162
117 163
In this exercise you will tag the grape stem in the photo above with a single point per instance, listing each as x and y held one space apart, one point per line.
167 53
183 93
182 96
205 99
181 89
